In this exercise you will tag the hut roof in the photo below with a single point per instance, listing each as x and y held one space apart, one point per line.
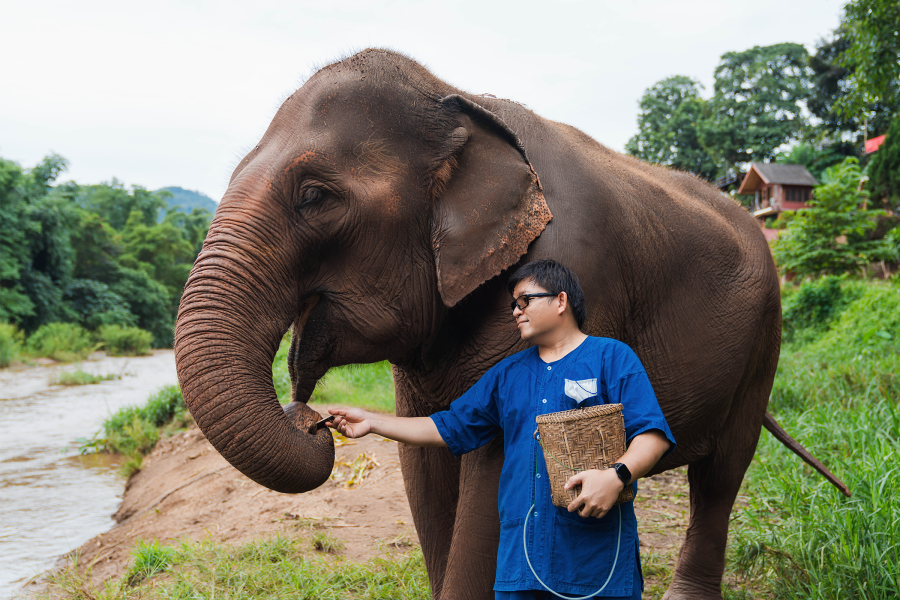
767 173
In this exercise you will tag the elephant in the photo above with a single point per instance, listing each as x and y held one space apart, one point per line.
378 219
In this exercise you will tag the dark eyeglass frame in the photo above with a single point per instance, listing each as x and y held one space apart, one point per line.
515 303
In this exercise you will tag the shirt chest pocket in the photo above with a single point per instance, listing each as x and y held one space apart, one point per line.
581 392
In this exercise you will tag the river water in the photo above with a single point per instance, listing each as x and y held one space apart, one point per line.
52 499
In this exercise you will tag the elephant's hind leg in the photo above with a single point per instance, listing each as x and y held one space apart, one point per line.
715 482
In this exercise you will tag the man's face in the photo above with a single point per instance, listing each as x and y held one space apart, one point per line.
540 316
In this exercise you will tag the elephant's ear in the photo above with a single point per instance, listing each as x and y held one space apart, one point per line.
489 204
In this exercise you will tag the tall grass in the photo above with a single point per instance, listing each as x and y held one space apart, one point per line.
836 392
118 340
270 568
80 377
65 342
11 341
134 430
368 386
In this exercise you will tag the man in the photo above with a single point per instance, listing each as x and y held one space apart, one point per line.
587 547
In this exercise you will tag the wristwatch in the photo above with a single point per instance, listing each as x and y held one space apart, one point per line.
622 471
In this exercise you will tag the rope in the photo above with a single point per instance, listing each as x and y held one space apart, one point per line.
537 436
546 587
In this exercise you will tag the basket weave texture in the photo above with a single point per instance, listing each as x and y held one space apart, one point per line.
578 440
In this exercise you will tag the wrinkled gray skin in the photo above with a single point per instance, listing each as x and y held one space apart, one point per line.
380 215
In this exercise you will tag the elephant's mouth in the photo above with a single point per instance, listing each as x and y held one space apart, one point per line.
310 346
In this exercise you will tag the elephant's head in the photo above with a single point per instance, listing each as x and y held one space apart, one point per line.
376 200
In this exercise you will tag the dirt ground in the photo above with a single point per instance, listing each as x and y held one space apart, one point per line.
187 490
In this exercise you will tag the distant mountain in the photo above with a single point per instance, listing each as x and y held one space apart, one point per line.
187 200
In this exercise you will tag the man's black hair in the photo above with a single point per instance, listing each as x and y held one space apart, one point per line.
555 278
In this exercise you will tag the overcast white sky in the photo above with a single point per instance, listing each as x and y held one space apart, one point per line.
175 92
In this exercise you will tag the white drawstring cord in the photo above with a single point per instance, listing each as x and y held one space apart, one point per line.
611 571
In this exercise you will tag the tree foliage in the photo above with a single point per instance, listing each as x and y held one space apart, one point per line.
757 103
667 127
815 159
91 255
831 84
872 55
884 169
830 236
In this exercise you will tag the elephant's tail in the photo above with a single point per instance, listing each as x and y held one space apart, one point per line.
781 435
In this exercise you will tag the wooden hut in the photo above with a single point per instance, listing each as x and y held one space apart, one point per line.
777 188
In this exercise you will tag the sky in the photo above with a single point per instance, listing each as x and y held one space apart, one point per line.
174 93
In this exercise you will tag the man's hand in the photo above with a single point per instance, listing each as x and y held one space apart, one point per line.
351 422
599 490
416 431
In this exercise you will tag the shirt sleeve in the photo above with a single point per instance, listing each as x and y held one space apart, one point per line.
473 419
640 408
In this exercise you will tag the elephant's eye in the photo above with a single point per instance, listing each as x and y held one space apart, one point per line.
311 196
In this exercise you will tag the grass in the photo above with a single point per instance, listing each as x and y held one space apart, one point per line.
64 342
134 430
836 392
270 568
124 341
80 377
369 386
11 341
325 542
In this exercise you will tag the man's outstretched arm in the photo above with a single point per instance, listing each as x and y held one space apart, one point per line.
416 431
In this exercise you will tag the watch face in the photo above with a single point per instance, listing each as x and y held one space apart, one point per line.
623 473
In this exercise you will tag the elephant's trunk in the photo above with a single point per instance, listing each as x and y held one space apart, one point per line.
238 302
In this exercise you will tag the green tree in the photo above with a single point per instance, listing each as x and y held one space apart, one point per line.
160 250
884 169
96 248
15 226
830 236
35 254
667 127
115 204
194 225
831 83
815 159
757 103
148 300
94 304
872 55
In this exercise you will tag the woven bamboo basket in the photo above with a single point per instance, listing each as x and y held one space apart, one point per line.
578 440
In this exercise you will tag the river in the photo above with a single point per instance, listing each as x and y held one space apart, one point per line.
52 499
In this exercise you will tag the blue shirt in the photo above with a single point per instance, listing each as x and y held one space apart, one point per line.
571 554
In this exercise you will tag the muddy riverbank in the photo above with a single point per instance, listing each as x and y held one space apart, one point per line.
51 498
187 491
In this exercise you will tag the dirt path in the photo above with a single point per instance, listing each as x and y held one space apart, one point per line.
187 490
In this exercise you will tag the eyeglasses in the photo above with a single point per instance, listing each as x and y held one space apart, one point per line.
524 300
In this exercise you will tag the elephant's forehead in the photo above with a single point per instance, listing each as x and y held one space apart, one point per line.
354 108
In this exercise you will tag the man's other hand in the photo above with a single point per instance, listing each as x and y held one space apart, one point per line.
599 490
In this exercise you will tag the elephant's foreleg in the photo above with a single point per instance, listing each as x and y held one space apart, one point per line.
431 478
472 563
454 506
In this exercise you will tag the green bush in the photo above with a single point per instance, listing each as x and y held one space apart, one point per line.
134 430
80 377
837 394
11 340
65 342
124 341
811 308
